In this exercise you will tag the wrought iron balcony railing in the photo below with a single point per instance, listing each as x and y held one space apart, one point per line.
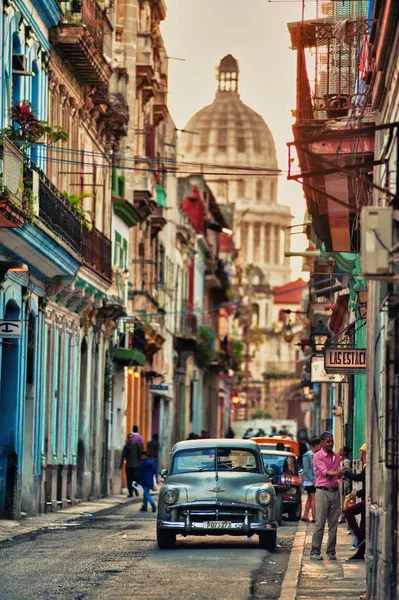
59 214
96 250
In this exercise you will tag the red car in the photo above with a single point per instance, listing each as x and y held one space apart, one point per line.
283 470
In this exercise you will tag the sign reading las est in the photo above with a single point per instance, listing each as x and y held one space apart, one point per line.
345 360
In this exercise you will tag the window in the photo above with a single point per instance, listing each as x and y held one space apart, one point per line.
240 142
222 140
273 191
241 188
117 248
120 251
259 189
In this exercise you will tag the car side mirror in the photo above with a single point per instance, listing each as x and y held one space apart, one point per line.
270 471
164 473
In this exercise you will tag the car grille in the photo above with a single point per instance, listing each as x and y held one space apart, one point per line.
218 513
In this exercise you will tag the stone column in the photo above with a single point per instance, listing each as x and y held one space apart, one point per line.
250 247
238 237
262 244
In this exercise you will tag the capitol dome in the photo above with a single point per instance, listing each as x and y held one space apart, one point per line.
233 147
228 132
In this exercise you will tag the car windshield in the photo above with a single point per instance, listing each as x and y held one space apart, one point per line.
194 460
281 463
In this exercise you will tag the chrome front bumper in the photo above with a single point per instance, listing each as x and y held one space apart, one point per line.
198 526
190 526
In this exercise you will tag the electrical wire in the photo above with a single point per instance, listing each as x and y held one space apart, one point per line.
160 167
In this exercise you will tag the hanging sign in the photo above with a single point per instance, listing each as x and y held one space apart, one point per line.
10 329
319 375
345 360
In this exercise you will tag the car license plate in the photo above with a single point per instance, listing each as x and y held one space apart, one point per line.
217 524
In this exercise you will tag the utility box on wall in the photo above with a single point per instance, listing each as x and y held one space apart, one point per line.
376 228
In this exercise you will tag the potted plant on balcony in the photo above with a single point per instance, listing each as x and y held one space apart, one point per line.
27 129
77 201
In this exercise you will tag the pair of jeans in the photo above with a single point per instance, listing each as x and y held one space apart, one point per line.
359 530
147 496
132 474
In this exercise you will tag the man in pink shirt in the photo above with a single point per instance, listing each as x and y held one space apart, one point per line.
326 464
137 437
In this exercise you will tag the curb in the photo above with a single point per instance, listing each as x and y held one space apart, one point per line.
289 587
79 511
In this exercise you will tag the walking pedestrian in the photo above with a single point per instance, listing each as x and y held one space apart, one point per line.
146 477
153 448
137 437
359 508
131 454
326 464
309 479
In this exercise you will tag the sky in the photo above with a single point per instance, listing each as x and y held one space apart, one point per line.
255 31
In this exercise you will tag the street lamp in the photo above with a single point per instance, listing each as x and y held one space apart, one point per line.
288 333
319 336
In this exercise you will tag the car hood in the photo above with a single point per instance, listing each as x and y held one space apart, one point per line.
228 487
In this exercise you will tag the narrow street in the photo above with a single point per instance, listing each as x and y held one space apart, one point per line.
114 555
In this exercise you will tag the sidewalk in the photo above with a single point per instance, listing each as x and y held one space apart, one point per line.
62 518
306 579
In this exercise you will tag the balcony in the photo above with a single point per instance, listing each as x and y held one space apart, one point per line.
216 278
186 332
80 41
334 129
96 252
129 350
147 78
58 214
157 221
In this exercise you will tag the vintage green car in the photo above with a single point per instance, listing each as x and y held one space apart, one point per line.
216 487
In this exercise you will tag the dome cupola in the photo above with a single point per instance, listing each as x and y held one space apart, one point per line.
228 74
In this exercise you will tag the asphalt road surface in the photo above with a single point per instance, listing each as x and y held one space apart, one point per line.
114 555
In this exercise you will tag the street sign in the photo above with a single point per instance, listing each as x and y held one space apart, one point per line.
10 329
162 389
319 375
345 359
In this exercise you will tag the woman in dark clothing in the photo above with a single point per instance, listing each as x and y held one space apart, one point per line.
131 454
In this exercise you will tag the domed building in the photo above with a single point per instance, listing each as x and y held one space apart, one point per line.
236 151
233 147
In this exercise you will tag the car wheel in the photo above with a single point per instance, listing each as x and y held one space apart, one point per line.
294 514
268 539
279 509
166 539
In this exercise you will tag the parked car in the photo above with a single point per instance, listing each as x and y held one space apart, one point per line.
270 443
216 487
286 479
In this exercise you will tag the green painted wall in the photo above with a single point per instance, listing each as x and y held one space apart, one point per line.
359 415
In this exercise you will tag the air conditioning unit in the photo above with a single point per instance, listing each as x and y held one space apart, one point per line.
20 64
376 226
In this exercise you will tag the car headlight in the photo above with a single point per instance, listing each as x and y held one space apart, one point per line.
264 497
170 495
